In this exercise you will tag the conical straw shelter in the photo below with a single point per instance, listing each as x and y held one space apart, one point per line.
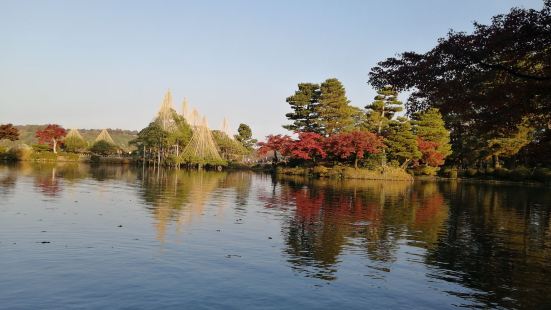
74 133
164 116
226 128
201 148
105 136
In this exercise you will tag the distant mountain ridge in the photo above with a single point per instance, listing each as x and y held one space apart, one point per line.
27 135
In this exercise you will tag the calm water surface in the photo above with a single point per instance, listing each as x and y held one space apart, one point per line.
110 237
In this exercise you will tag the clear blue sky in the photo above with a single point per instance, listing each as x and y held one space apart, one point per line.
96 64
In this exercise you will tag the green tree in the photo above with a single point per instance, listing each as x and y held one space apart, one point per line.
334 112
103 147
229 148
245 135
152 140
383 108
181 134
507 146
429 126
304 103
484 82
74 144
401 142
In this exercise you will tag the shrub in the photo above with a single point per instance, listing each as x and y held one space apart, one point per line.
103 147
381 173
41 148
320 171
502 173
21 152
449 172
427 170
520 174
489 171
43 156
471 172
542 174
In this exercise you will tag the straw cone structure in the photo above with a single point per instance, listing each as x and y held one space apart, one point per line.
185 110
105 136
202 145
226 128
164 116
74 133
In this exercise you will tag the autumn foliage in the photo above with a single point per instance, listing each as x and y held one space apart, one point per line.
51 135
9 132
311 146
276 143
431 156
308 146
354 144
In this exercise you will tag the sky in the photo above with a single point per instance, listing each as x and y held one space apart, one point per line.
108 64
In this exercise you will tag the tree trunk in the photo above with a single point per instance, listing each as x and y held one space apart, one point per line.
381 121
159 158
55 144
495 158
356 161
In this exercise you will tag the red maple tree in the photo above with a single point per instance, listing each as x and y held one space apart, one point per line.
51 135
308 146
9 132
356 143
277 144
431 156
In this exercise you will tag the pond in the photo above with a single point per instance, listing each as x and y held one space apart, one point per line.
77 236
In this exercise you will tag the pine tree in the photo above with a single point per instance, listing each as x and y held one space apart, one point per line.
245 136
429 126
383 109
510 145
400 141
304 104
335 113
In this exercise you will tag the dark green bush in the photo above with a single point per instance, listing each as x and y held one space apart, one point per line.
542 174
502 173
471 172
520 174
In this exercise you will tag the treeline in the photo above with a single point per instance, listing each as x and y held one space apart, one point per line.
172 141
479 103
51 139
330 131
27 135
493 87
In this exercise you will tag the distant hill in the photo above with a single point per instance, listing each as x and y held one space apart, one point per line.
27 135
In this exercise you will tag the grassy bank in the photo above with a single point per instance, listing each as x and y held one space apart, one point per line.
27 154
341 172
519 174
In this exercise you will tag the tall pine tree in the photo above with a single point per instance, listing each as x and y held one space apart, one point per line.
383 108
429 126
304 104
401 143
335 113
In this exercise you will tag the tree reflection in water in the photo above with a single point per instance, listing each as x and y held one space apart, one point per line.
498 242
8 179
489 244
493 239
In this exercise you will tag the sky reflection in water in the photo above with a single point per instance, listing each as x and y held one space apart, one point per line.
121 237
